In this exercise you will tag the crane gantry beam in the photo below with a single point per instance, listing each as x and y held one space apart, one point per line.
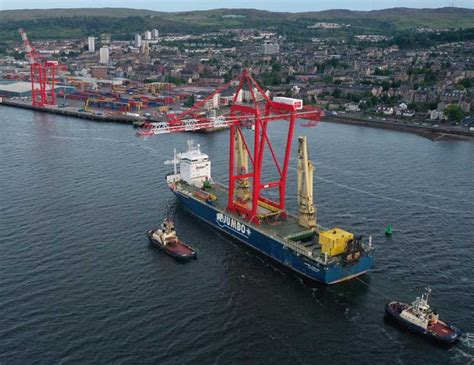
251 109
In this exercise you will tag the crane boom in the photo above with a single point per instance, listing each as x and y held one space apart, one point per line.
31 52
42 74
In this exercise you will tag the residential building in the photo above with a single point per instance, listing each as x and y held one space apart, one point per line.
270 48
99 72
91 44
437 115
351 107
104 55
138 41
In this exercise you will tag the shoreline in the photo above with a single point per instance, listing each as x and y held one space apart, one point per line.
101 118
433 133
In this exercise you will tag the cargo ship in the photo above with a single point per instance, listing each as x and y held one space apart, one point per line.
252 208
325 255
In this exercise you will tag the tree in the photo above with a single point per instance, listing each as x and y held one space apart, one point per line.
385 85
18 56
276 66
453 112
3 47
382 72
190 101
396 84
465 84
173 80
327 79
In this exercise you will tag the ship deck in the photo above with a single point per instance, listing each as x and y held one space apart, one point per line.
286 229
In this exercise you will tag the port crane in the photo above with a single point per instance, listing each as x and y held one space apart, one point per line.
251 109
43 74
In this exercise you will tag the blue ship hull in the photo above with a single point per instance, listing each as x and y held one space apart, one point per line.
272 247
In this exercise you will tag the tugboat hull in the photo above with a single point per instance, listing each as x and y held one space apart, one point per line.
179 251
440 333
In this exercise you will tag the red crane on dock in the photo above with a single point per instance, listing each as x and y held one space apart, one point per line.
250 109
42 74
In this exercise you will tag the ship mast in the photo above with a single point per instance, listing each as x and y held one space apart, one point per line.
307 210
174 161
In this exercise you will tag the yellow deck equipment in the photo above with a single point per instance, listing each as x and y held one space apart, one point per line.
334 241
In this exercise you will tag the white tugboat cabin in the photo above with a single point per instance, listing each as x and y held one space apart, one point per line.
420 313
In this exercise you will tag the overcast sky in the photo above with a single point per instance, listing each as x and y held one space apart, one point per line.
276 5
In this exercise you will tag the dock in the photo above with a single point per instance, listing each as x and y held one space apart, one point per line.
70 112
102 117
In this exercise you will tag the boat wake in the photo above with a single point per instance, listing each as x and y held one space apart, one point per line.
464 354
467 340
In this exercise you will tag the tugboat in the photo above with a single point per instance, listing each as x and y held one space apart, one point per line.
167 240
421 319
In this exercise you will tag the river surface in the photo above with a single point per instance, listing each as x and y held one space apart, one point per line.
79 282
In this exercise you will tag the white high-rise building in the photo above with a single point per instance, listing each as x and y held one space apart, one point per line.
138 41
91 44
104 55
148 35
270 48
155 34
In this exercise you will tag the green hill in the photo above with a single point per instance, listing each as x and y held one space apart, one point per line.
120 22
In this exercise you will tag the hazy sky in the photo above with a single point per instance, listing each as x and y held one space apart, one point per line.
277 5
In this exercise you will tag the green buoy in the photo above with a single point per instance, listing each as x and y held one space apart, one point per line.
389 230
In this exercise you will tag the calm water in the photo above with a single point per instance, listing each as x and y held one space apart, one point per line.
79 282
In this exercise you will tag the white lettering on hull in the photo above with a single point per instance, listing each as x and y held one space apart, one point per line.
311 267
224 221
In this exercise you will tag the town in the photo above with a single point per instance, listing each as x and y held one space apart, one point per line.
189 182
153 74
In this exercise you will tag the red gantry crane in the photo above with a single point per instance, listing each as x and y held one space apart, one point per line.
42 73
252 109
